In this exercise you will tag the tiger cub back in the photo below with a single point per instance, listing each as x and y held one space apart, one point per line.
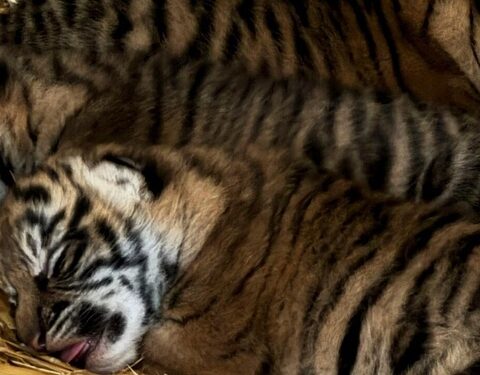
396 146
235 264
426 48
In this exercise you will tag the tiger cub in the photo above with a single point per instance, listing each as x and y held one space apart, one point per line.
424 47
208 262
402 148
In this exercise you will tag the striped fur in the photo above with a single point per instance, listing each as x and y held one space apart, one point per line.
427 48
253 266
400 147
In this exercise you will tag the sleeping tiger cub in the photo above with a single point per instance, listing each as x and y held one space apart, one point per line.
215 263
424 47
399 147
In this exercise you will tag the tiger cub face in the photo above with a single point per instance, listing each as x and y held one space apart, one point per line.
90 246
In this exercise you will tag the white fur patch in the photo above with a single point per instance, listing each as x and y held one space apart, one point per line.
118 185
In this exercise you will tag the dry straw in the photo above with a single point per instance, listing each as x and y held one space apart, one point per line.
16 359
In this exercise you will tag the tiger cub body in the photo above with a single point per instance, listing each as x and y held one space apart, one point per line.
213 263
399 147
426 48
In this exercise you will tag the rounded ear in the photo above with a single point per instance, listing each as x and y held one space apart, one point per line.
118 180
120 175
154 178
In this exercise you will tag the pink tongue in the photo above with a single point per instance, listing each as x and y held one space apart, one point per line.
73 351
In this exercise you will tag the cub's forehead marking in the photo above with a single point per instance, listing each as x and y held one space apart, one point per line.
30 241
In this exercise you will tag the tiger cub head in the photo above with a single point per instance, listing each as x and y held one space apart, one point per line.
90 244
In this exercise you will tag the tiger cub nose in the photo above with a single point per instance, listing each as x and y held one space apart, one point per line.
38 342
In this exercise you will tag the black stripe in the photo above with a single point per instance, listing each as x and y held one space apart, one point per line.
145 291
57 138
108 235
89 270
32 244
78 252
155 179
31 131
313 313
59 324
428 15
394 55
50 172
86 286
300 8
351 340
232 42
169 269
59 263
69 12
159 19
82 208
4 34
273 26
156 112
200 44
6 172
100 263
328 50
303 53
267 366
369 40
38 21
416 316
376 150
33 218
418 342
123 26
126 283
473 40
4 77
41 281
57 309
32 193
320 140
19 22
458 264
415 148
338 20
246 12
121 161
191 106
437 175
51 226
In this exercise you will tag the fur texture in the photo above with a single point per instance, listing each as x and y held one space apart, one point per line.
426 48
408 150
236 264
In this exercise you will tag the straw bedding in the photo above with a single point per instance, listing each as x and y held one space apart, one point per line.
16 359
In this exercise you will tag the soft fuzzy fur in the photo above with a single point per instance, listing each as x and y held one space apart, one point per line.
427 48
250 266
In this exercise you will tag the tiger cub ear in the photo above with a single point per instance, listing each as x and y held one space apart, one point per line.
118 180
